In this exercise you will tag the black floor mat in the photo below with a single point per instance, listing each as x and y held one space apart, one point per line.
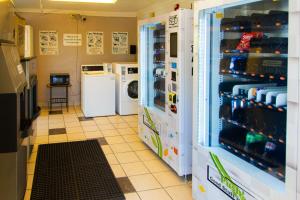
74 171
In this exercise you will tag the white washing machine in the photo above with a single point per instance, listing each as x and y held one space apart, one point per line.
126 88
97 91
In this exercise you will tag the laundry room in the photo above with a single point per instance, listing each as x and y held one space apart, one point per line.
149 99
69 58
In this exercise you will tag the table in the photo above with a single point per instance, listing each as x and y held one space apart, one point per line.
59 100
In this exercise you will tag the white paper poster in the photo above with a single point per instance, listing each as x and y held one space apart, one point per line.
95 43
72 40
120 43
48 43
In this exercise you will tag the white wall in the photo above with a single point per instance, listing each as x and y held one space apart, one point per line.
162 7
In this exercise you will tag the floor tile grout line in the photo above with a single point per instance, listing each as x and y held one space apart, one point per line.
150 189
167 193
164 188
154 190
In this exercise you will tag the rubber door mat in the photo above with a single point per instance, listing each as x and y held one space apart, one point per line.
74 171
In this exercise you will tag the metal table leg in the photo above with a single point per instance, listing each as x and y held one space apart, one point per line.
50 98
67 98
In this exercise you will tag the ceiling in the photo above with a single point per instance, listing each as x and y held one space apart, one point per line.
119 6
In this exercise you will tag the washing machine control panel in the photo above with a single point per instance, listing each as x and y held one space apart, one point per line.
133 70
92 68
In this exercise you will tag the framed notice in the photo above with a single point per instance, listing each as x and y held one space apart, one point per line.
72 40
120 43
48 42
95 43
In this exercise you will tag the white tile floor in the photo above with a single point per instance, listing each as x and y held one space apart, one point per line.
127 155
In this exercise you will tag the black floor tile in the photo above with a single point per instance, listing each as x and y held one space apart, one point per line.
57 131
126 185
55 112
85 118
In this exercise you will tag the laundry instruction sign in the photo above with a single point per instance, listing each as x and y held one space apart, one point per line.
120 43
48 42
72 40
95 43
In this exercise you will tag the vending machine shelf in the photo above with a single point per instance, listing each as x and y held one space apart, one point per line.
261 67
275 169
263 46
275 20
254 53
267 29
271 77
269 136
253 102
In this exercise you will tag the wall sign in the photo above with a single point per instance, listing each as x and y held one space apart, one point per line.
20 69
95 43
173 21
72 40
120 43
48 42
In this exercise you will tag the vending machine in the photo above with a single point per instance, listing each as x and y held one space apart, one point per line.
246 100
165 103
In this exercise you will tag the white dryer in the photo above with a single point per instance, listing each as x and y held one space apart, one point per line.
97 91
126 88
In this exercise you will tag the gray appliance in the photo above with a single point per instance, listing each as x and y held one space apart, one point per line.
7 24
13 124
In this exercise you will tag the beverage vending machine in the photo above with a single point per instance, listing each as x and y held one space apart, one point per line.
246 103
165 103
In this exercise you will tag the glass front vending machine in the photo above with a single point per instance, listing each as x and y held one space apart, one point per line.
246 89
165 87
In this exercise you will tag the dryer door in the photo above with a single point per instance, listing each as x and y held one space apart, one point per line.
133 90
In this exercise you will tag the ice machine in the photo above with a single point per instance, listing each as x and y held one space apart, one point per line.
13 124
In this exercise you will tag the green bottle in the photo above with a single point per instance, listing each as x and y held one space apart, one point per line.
253 137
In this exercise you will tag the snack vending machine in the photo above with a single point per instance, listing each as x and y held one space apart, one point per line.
165 104
246 100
